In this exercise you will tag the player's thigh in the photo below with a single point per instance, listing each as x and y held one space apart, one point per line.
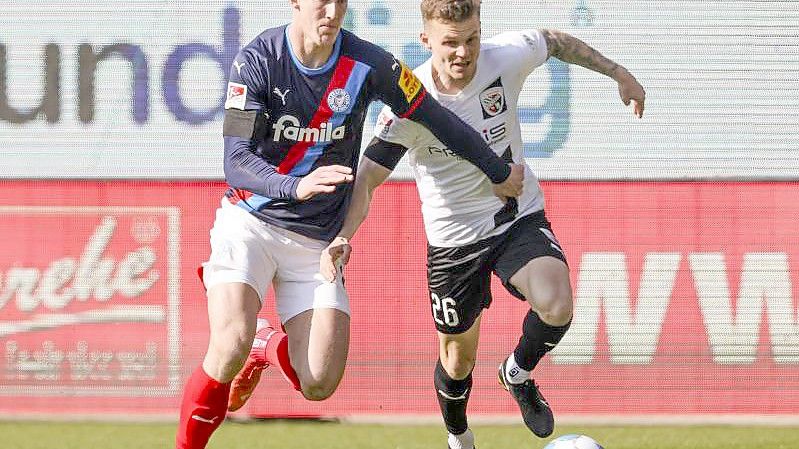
315 313
531 264
232 311
543 277
318 347
458 352
241 251
299 286
236 275
459 284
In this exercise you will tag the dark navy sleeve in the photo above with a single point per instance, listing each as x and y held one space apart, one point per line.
245 106
384 153
407 97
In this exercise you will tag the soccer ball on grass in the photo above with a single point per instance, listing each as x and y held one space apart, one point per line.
573 442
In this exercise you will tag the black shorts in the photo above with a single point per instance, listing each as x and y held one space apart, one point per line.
459 278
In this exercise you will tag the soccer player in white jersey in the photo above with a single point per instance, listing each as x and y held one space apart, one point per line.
470 232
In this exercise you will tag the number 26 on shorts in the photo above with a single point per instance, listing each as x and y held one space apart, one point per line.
444 312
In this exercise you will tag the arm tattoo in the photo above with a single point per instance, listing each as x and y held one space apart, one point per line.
569 49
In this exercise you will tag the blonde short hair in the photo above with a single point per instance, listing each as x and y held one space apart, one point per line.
449 10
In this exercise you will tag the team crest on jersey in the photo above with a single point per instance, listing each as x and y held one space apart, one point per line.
492 99
339 100
408 82
236 96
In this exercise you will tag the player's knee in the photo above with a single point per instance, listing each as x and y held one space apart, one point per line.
553 305
556 310
458 365
229 349
318 390
229 363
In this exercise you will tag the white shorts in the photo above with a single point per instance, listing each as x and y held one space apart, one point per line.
247 250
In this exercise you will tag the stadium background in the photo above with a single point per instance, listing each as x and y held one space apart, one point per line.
680 228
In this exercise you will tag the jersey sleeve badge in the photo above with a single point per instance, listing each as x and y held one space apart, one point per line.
408 83
236 96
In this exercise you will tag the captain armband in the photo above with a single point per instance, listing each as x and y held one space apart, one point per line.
244 124
385 153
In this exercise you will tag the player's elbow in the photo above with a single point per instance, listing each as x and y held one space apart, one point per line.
233 173
230 173
235 162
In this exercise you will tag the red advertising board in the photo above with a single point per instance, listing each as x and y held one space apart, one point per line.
685 302
76 275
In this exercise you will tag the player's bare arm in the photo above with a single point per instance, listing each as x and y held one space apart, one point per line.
323 180
572 50
370 176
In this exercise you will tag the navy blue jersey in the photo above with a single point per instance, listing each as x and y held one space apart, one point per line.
283 120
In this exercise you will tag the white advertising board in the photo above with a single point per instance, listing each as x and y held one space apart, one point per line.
133 89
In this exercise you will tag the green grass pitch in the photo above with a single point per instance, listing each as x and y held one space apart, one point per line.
314 435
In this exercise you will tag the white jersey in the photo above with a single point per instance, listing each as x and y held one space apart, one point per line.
458 203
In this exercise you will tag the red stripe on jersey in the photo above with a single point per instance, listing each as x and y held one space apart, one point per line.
322 115
237 195
415 104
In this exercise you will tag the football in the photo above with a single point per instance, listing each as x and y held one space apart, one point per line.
573 442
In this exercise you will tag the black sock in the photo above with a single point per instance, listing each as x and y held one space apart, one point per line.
453 410
533 342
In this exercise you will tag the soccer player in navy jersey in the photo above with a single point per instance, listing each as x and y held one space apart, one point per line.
294 112
471 233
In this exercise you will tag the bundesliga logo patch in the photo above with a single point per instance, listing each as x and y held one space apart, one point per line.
492 99
236 96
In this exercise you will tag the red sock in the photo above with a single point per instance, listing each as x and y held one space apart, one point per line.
202 411
272 346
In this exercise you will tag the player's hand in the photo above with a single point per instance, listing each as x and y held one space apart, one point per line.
323 180
336 254
512 186
631 91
